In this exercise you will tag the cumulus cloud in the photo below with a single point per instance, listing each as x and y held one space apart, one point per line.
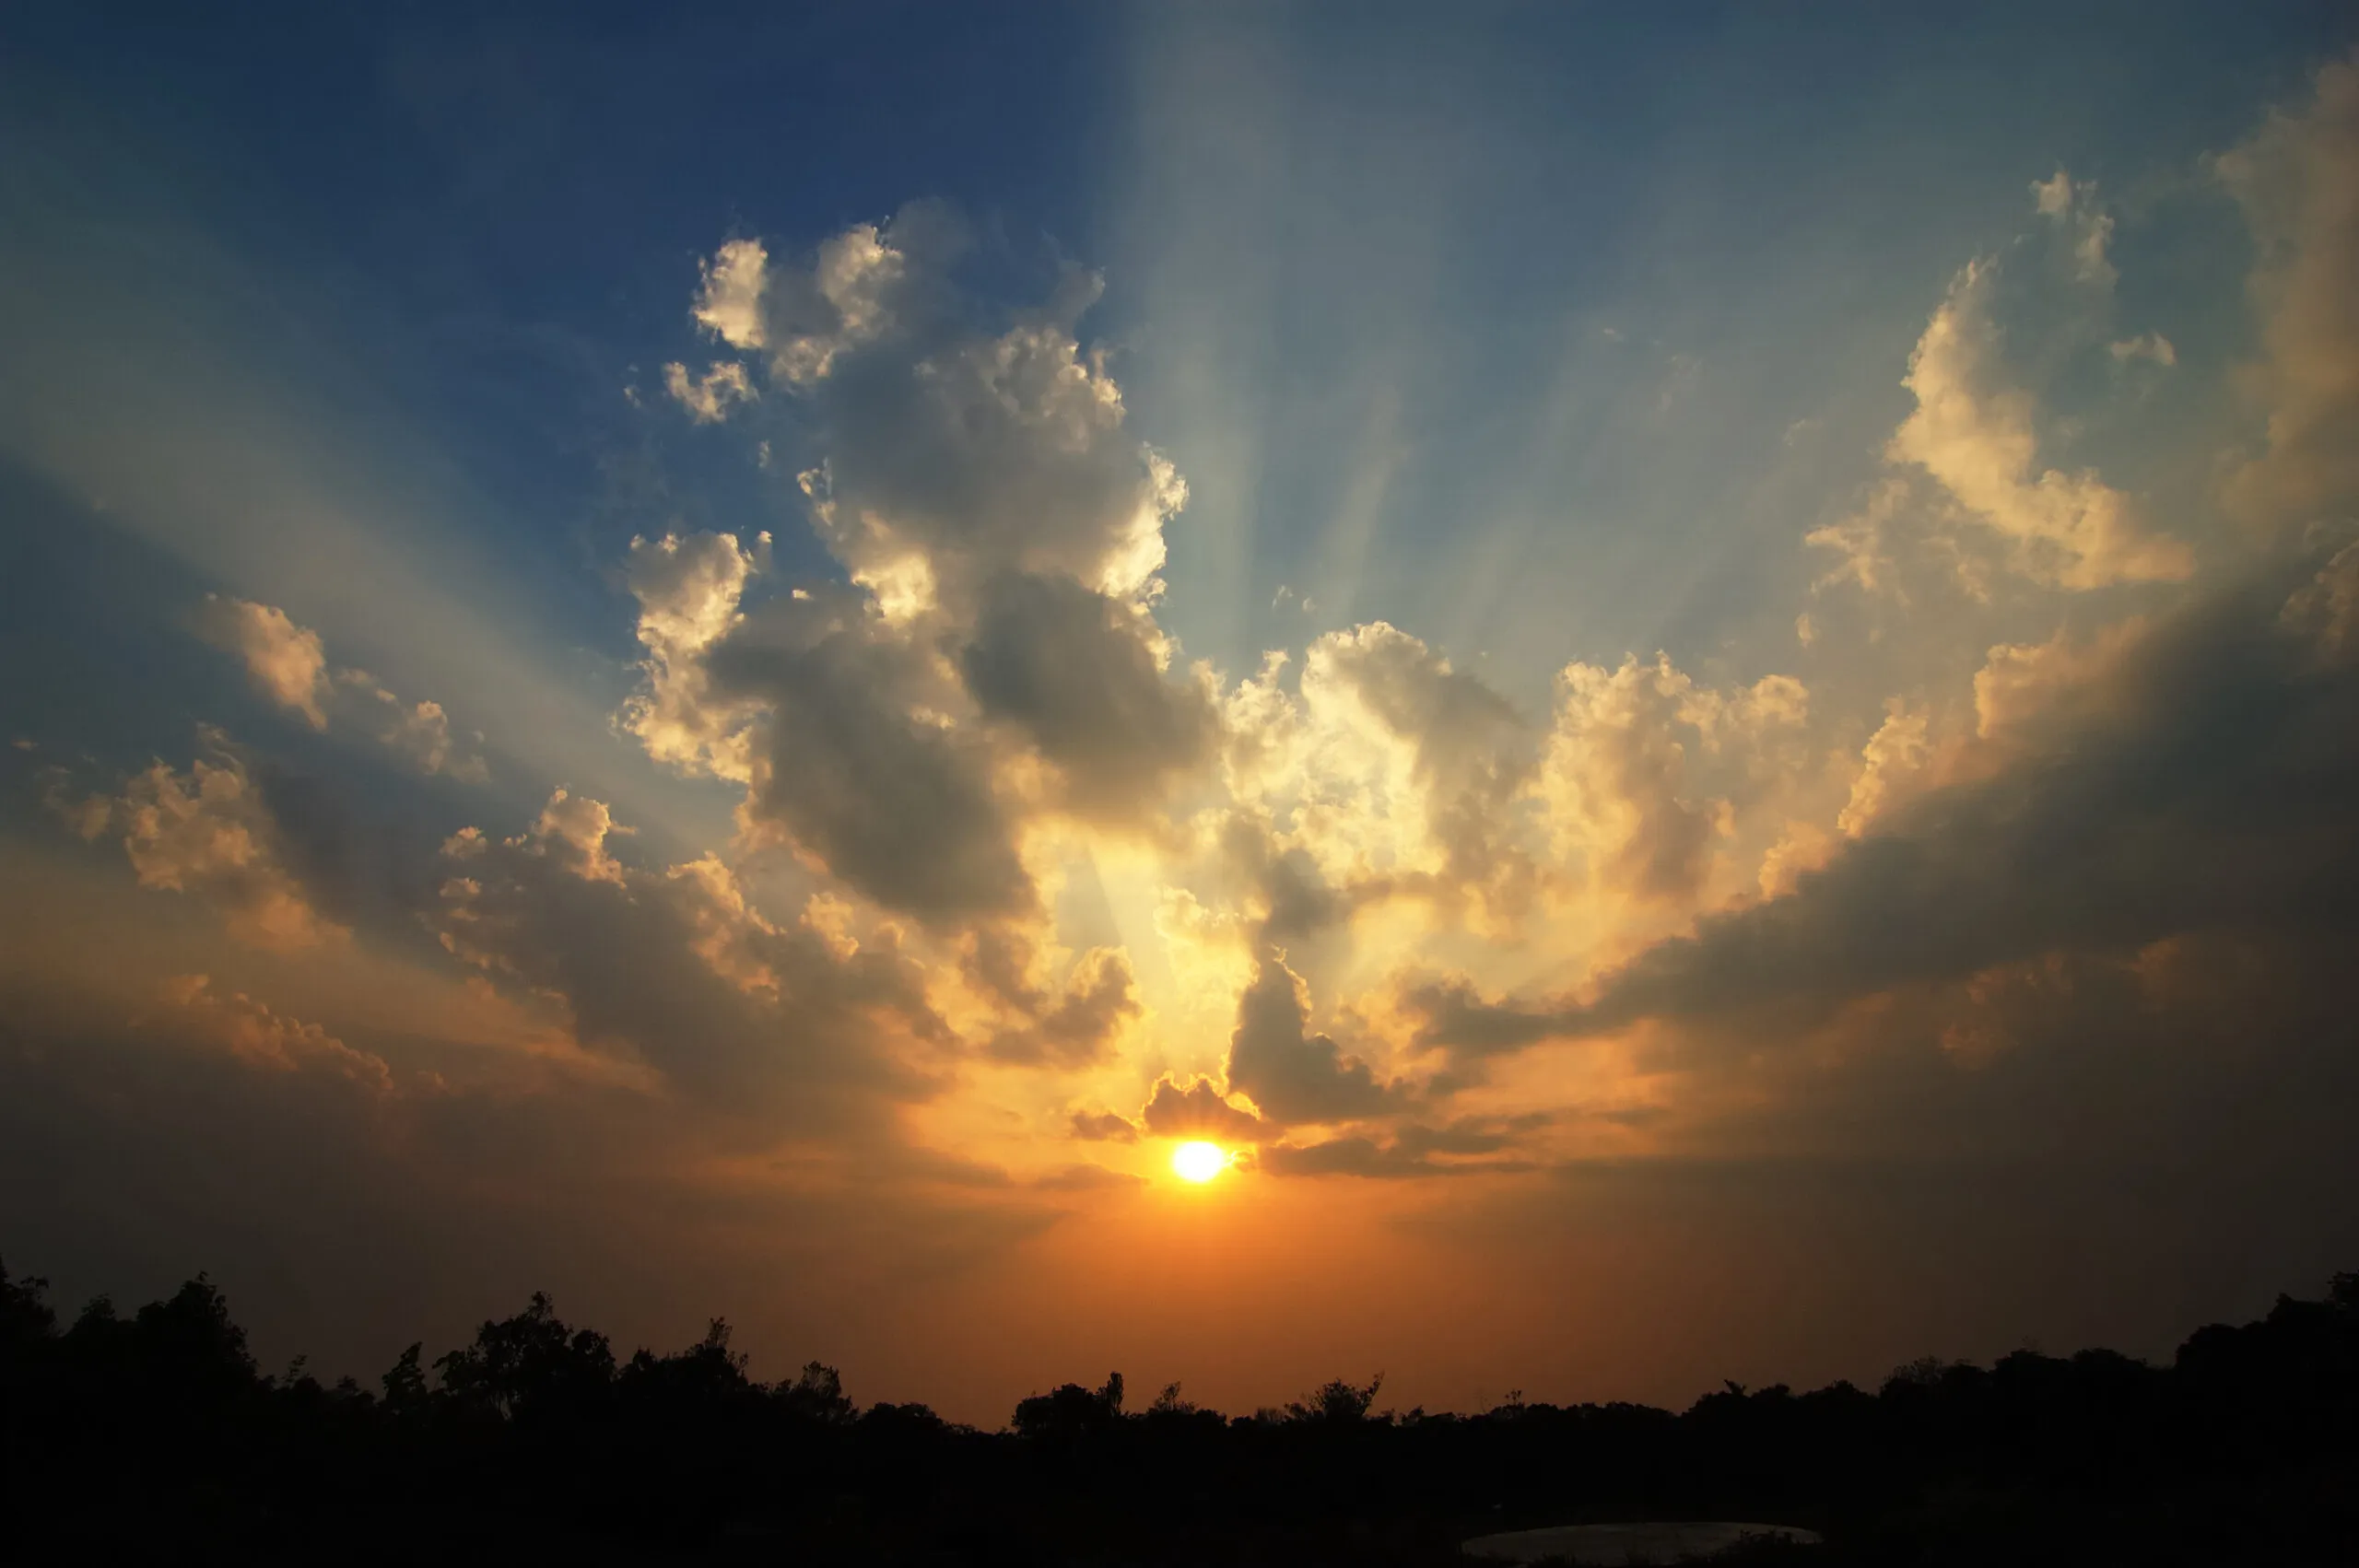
1470 755
1083 1025
1896 754
286 662
419 731
2075 206
289 664
804 317
1410 1152
708 398
1973 435
2297 179
730 296
687 592
2201 786
1077 674
678 971
995 657
845 300
1863 541
209 832
852 763
1620 774
2326 609
2033 696
1198 1110
987 456
1103 1126
1292 1074
249 1031
2152 348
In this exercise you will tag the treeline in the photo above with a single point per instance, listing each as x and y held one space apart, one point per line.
156 1437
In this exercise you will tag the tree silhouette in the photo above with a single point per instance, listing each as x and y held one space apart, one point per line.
154 1437
1337 1401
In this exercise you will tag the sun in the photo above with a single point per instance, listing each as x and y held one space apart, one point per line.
1199 1162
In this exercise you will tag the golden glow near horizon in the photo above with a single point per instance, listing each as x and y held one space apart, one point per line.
1199 1162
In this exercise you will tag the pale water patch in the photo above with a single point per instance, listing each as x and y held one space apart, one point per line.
1619 1544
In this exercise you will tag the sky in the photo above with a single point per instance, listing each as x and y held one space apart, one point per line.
1689 674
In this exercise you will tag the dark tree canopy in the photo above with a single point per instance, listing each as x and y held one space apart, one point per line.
156 1436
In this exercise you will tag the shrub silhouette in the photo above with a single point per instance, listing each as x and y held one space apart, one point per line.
156 1437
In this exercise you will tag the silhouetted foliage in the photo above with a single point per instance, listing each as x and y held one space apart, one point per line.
1337 1401
156 1437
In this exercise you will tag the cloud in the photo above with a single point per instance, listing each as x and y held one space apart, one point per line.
289 664
1084 1178
2152 348
1894 755
1408 1155
1863 540
259 1037
419 731
286 661
2075 206
2297 179
987 456
995 659
1077 674
851 765
676 970
209 832
2197 783
729 299
850 295
1290 892
1471 756
1620 774
688 592
2326 609
2032 697
1973 435
186 1137
1104 1127
845 301
1082 1027
832 719
1293 1075
1198 1110
708 397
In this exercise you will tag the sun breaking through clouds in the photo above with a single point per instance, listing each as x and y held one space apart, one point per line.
715 714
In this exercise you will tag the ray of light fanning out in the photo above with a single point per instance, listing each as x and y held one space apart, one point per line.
1560 700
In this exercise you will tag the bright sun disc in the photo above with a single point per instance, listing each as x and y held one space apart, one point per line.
1199 1162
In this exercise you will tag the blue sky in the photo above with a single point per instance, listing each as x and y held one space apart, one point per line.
1680 451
